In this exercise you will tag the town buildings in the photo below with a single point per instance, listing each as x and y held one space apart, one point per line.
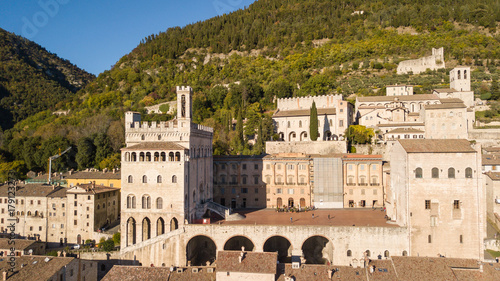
438 195
166 173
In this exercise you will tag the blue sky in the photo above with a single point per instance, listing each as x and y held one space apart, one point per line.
94 35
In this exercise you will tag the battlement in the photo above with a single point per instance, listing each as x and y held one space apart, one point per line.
184 89
202 128
326 101
154 126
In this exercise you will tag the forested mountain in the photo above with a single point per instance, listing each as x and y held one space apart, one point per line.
33 79
237 63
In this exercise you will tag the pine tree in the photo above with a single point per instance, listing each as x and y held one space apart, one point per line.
239 130
313 122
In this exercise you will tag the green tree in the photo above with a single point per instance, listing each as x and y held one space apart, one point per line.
239 130
359 134
86 153
111 162
494 90
313 122
164 108
116 238
108 245
103 148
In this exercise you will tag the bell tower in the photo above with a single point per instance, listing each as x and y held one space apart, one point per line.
184 94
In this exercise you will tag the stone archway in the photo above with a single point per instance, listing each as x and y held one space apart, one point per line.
317 250
201 249
236 242
281 245
146 229
131 232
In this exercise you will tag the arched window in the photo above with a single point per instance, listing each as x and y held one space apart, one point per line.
386 254
174 179
159 137
468 173
163 156
435 173
127 156
148 156
459 74
143 137
349 253
157 156
133 202
159 203
129 202
158 179
177 156
141 156
171 156
146 202
134 157
367 253
451 173
405 253
144 179
465 74
300 124
130 179
418 173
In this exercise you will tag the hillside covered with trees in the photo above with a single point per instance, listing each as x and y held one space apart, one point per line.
239 63
33 79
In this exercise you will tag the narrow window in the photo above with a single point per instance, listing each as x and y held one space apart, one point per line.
427 204
435 173
468 173
429 239
451 173
456 204
349 253
418 173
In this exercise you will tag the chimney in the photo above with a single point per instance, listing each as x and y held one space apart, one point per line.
58 253
4 275
64 253
242 254
93 184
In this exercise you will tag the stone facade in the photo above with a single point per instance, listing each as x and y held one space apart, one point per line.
492 187
238 181
293 115
438 195
399 90
166 173
363 181
287 177
432 62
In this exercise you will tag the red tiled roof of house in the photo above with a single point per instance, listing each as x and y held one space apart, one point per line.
252 262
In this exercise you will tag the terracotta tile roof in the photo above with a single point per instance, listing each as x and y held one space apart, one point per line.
405 130
140 273
445 106
436 146
451 100
304 112
94 175
61 192
414 114
352 156
371 107
491 149
164 145
35 267
493 175
382 270
400 98
491 159
252 262
407 124
426 268
445 90
20 244
91 189
31 190
309 272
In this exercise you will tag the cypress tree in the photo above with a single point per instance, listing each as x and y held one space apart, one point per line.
239 129
313 122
